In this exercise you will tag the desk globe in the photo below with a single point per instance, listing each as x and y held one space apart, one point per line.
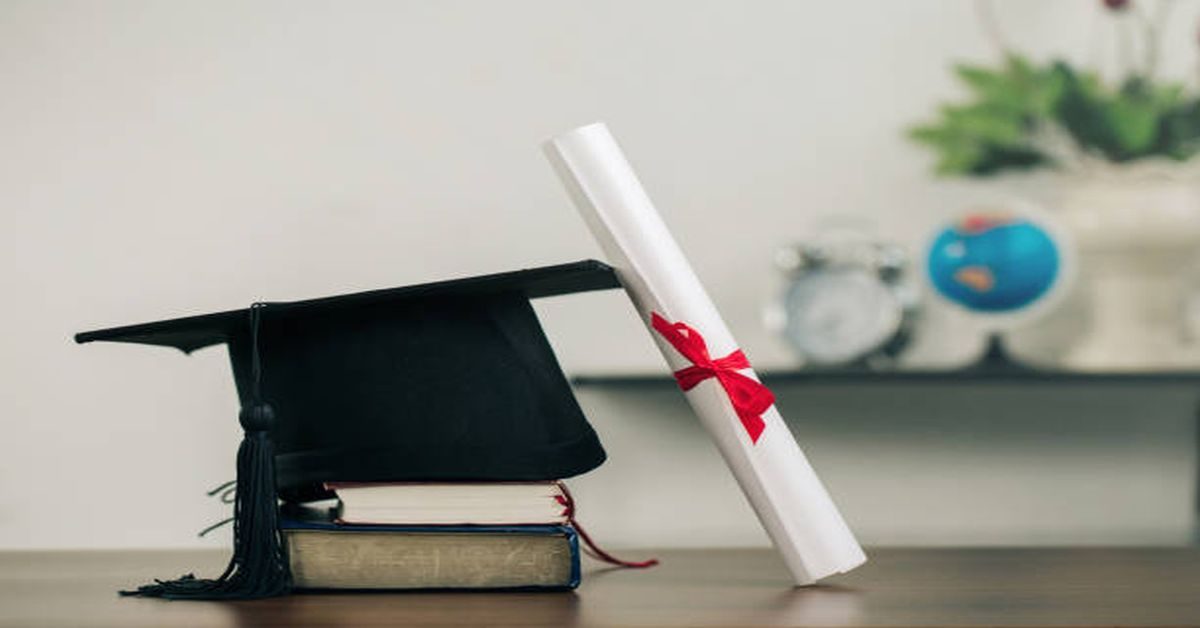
995 262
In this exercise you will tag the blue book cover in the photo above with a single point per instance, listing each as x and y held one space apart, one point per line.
306 521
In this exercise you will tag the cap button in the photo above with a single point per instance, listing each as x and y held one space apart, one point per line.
258 417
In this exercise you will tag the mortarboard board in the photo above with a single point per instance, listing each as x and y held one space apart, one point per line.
444 381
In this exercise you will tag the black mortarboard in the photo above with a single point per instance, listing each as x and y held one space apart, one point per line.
442 381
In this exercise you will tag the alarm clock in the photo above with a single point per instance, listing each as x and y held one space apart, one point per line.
847 300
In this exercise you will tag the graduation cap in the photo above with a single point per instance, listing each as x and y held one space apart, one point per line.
443 381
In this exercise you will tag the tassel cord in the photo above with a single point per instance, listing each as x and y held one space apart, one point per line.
589 546
259 565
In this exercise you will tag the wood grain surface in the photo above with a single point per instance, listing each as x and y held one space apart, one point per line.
921 587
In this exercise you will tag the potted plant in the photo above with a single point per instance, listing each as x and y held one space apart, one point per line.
1125 158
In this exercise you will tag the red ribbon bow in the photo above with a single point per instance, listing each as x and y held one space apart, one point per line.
750 398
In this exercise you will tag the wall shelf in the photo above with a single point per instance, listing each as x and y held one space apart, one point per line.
994 366
1008 374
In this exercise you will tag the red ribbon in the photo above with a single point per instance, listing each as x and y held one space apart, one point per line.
589 546
750 398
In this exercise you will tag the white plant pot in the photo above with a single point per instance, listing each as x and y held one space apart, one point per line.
1137 234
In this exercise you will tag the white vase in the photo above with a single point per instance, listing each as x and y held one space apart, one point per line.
1136 231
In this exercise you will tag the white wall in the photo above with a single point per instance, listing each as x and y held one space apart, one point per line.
160 159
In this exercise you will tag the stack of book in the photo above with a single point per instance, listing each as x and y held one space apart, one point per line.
517 535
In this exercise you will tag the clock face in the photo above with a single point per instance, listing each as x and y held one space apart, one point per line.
838 315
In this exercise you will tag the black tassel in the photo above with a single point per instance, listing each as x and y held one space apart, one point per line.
259 566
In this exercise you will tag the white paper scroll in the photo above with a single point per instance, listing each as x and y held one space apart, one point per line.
777 479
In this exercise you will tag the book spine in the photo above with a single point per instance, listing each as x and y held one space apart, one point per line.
576 567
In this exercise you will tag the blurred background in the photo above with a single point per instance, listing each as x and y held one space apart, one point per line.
956 237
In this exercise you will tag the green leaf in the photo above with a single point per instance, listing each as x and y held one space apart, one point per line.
997 159
987 123
1134 126
1049 91
959 160
1082 112
983 80
1180 135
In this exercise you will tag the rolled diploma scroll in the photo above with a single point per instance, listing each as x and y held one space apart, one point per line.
777 479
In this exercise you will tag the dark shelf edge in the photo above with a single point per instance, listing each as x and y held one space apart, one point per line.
971 375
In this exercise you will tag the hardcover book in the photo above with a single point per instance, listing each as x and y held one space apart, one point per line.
326 555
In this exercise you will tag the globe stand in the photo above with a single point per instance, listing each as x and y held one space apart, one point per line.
996 358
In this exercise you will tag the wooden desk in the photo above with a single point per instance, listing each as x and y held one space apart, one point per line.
691 588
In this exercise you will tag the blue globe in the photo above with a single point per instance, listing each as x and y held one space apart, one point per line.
994 263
